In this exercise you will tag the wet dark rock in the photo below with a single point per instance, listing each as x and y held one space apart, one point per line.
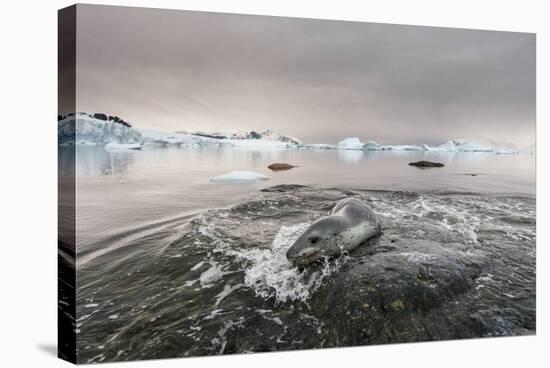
424 163
389 296
280 166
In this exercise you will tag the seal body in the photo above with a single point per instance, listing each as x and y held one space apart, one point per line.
350 223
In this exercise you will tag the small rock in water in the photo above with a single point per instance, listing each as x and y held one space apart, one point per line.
280 166
426 164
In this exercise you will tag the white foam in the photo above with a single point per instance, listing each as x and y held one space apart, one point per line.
271 275
213 274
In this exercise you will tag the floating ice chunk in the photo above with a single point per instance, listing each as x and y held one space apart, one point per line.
351 143
240 176
123 146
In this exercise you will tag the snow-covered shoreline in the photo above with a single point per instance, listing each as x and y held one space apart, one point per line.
114 133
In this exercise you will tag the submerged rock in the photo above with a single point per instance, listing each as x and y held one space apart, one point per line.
391 293
280 166
426 164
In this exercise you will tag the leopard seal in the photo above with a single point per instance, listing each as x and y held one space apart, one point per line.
349 223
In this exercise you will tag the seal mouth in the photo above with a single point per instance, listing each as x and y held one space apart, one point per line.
305 256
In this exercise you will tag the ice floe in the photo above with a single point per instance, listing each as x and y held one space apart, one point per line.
240 176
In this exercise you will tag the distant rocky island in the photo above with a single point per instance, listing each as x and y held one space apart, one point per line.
116 133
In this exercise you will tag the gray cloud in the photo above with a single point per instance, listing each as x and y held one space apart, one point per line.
315 79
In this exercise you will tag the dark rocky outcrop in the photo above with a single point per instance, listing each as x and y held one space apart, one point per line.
116 119
211 135
100 116
254 135
424 164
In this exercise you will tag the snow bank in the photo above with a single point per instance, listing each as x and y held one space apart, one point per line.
240 176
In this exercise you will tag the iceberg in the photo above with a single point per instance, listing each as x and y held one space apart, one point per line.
371 146
240 176
471 145
82 128
351 143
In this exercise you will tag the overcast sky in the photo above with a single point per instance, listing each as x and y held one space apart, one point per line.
315 79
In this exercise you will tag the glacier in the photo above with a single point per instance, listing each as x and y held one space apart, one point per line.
156 138
82 128
100 129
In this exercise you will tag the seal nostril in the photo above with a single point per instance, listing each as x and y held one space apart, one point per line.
313 239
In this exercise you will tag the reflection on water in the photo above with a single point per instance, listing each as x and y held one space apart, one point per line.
125 189
97 161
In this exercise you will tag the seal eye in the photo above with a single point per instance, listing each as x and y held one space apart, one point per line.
313 239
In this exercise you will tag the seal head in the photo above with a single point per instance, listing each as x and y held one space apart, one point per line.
317 242
350 223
